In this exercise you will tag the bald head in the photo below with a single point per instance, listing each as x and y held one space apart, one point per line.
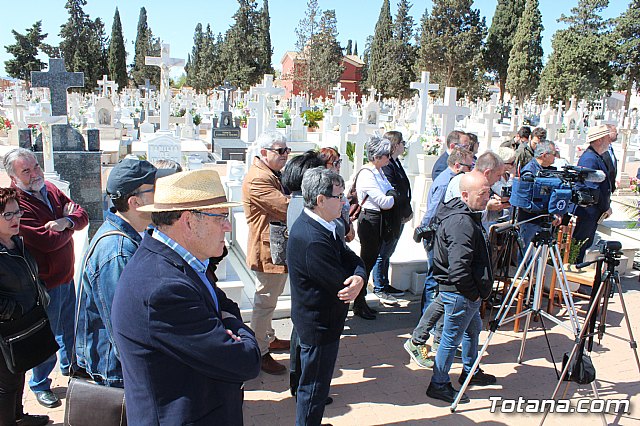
475 191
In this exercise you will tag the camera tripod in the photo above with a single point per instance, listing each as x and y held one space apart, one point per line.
539 250
597 314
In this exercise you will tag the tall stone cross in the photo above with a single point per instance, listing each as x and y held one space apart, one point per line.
423 86
58 80
338 93
165 62
360 137
490 116
267 88
559 112
372 94
627 130
104 83
227 88
147 86
449 111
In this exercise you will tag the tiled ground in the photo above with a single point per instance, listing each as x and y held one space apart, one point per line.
375 382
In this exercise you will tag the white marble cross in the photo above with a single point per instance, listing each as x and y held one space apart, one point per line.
449 111
338 93
165 62
360 137
490 116
267 87
423 86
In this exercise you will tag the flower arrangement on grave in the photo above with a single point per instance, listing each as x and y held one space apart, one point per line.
285 121
431 143
197 119
5 123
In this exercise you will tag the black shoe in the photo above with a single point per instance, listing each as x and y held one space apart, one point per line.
363 313
369 309
393 291
479 379
446 393
328 401
32 420
47 399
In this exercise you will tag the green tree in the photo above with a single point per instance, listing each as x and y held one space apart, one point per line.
194 62
500 39
265 51
401 53
239 52
306 31
25 53
117 57
355 48
525 59
379 61
145 45
451 46
349 49
627 38
327 65
580 63
366 58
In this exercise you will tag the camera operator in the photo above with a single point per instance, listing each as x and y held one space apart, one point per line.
545 155
599 138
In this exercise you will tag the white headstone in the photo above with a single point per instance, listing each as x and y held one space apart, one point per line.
165 62
423 86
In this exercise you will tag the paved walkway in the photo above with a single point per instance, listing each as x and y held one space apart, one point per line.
376 383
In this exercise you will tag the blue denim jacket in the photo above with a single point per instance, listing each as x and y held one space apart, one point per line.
95 347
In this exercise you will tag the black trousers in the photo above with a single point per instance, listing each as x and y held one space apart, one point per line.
11 387
369 233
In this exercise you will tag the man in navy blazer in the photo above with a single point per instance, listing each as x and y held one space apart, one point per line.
184 348
599 139
325 275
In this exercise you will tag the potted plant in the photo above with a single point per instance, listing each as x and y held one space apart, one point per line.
311 119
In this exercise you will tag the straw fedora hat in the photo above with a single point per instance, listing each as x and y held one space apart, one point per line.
193 190
596 132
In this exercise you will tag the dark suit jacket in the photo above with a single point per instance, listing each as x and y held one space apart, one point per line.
318 266
398 179
593 160
179 364
440 165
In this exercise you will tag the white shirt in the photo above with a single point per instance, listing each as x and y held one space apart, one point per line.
370 181
329 226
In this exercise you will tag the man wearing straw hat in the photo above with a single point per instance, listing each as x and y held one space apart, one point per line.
184 348
599 139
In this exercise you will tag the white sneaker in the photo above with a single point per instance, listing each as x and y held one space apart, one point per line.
386 298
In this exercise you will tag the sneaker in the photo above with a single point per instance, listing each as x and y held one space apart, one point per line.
446 393
394 291
479 379
386 298
32 420
418 353
434 348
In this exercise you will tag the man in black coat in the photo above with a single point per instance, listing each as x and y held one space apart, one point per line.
325 275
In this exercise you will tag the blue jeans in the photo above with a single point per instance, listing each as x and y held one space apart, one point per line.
380 270
61 313
462 323
317 364
430 285
527 232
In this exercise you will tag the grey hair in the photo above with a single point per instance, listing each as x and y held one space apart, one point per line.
544 147
488 161
13 155
377 147
316 181
270 137
507 154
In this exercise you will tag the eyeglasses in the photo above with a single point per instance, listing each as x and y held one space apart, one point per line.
143 192
337 163
403 142
222 215
280 151
339 196
10 215
470 166
510 163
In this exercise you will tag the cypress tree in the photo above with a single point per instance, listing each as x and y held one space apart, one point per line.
97 53
117 62
501 37
627 37
525 59
402 54
265 51
25 53
306 32
379 63
145 45
195 59
240 50
327 65
349 49
355 48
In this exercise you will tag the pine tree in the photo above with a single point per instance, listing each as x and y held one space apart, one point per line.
117 58
98 53
525 59
379 61
501 37
401 53
240 49
327 65
627 38
580 62
451 46
145 45
195 59
306 32
25 53
265 51
349 48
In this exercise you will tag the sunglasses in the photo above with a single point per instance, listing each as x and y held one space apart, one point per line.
280 151
337 163
10 215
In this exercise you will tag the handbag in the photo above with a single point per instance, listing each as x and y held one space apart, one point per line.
355 207
87 402
27 341
278 237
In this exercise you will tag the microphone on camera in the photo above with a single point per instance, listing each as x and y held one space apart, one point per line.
590 175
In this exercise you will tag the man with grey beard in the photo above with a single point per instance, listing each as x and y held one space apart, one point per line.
47 226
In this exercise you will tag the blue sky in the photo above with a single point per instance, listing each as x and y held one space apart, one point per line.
174 21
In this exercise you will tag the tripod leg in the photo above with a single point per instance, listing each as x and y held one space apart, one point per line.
561 279
595 393
540 261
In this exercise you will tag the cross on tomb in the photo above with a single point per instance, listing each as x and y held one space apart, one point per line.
58 80
372 93
267 87
449 111
103 84
165 62
423 86
360 137
147 86
489 118
338 93
227 88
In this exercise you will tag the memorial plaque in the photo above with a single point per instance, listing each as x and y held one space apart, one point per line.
230 133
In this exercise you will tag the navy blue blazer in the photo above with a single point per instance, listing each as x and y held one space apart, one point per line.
318 265
593 160
180 366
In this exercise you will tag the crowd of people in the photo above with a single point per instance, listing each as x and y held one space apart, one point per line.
148 316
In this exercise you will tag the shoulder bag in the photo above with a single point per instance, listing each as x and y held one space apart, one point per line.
355 207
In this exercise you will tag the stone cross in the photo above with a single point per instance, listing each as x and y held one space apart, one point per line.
559 113
338 93
58 80
228 89
105 85
423 88
147 86
360 137
449 111
489 118
267 87
552 127
372 94
165 62
345 120
352 98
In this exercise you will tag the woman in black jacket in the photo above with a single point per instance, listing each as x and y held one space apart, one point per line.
18 295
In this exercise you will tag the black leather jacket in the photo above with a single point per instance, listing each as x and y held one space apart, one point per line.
19 286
